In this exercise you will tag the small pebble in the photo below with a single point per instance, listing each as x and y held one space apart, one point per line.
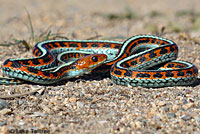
110 84
198 107
136 124
37 114
80 104
20 102
5 111
186 117
90 98
103 121
191 100
161 103
3 123
81 94
171 115
185 101
166 109
21 123
197 118
143 120
63 125
3 104
93 105
180 94
45 108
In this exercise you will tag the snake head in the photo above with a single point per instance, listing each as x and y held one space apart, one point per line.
90 62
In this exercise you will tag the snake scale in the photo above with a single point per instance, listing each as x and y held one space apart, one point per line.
142 60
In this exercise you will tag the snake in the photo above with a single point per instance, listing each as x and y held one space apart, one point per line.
141 60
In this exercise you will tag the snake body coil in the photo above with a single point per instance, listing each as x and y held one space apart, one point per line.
142 60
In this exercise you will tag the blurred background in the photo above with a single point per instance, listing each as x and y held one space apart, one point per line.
106 19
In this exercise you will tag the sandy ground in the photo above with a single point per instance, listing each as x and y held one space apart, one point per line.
99 106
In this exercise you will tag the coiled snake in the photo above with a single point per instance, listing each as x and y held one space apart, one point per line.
142 60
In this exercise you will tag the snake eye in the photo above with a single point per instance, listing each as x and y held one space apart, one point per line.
95 58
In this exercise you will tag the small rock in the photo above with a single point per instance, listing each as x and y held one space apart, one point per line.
198 107
185 101
188 105
197 118
166 109
92 112
63 125
5 111
186 117
80 104
175 107
20 102
90 98
171 115
103 121
3 104
180 94
81 94
122 129
72 99
136 124
110 84
143 120
161 103
191 100
21 123
37 114
93 105
45 108
111 114
3 123
188 91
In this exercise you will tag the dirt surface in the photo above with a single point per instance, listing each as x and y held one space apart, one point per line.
100 106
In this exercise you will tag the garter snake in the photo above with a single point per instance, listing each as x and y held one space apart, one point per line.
142 60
